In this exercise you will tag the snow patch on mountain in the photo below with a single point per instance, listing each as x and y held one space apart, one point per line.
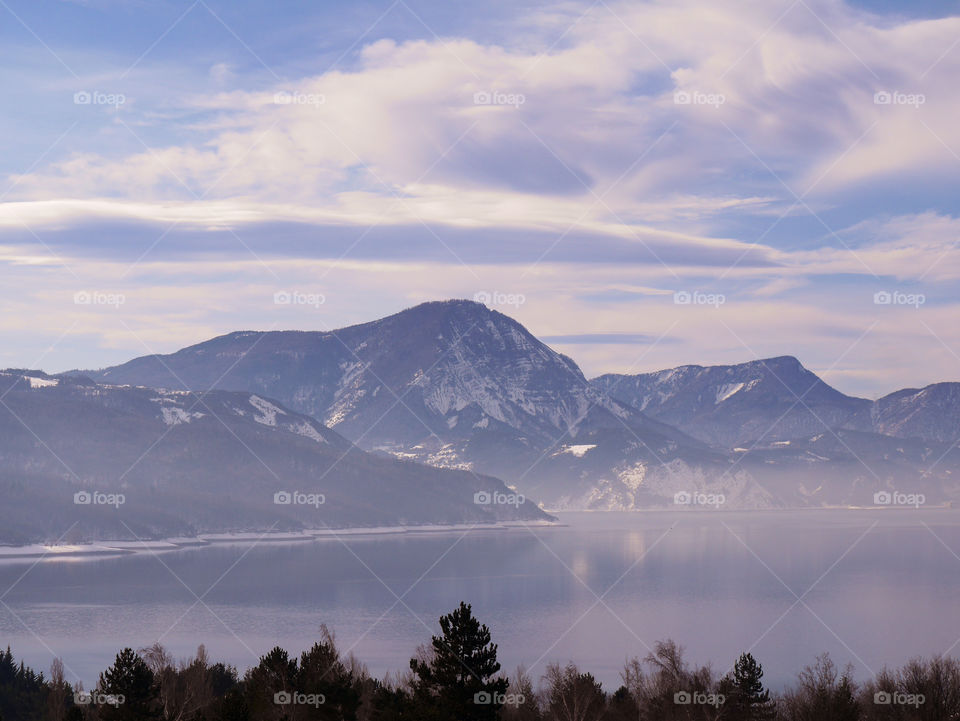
579 450
268 411
303 428
727 390
175 416
41 382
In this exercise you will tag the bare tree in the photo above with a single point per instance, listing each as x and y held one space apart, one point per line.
668 689
521 702
59 692
823 692
184 691
571 695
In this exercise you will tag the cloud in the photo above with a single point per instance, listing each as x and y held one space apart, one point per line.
595 164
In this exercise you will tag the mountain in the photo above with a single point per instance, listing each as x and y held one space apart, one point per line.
454 384
440 370
802 441
931 413
450 384
185 463
778 399
735 405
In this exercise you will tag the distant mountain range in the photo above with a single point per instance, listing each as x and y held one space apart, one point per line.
94 461
456 385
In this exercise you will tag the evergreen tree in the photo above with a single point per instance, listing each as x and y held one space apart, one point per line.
457 683
746 698
131 678
22 691
322 673
391 704
275 674
622 706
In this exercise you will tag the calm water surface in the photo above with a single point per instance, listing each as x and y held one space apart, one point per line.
874 587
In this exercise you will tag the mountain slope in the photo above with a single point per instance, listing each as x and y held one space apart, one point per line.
457 385
450 384
778 399
443 368
735 405
931 413
188 463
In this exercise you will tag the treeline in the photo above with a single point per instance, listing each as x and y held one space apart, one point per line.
457 678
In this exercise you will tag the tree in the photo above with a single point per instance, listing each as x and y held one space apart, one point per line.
22 691
59 692
622 706
521 704
573 696
131 679
275 674
745 697
322 674
823 694
455 681
923 690
667 691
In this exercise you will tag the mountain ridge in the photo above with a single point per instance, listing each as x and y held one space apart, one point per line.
188 463
456 384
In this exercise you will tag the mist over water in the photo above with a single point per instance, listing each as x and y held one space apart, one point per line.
874 588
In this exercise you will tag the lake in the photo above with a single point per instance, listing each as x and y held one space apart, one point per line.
874 588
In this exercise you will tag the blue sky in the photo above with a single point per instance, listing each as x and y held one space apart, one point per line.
788 167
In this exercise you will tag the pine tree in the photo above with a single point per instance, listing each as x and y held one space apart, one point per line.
131 679
275 674
323 673
747 699
457 682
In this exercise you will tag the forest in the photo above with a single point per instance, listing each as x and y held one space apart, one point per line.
457 677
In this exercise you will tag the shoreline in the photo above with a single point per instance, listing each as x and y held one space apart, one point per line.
105 547
779 509
101 548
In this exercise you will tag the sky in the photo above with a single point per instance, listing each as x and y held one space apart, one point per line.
642 184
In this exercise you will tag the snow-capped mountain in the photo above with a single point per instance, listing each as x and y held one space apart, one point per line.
931 413
186 462
451 384
440 370
777 399
455 384
766 400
